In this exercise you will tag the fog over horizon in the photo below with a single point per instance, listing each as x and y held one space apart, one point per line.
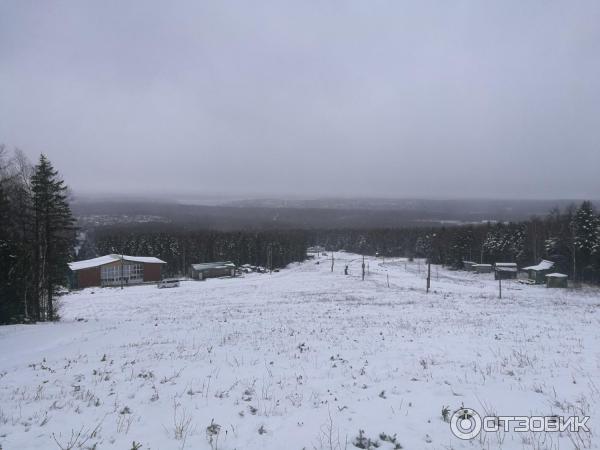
307 99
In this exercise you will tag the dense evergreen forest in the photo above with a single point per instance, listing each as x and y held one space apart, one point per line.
37 237
570 238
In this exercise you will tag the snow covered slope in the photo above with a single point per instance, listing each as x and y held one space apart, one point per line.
303 358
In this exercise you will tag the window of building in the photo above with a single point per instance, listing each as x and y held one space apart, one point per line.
130 273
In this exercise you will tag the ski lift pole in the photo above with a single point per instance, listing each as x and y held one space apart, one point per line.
122 270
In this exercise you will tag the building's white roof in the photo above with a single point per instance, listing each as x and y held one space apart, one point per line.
543 265
107 259
557 275
142 259
482 265
507 265
214 265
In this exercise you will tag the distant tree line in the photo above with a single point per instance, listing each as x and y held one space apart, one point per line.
36 238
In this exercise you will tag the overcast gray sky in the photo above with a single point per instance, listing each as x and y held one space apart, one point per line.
316 98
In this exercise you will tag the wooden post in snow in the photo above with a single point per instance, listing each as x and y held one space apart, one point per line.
332 258
500 286
428 275
270 258
363 268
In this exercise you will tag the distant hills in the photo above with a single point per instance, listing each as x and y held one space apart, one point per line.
327 213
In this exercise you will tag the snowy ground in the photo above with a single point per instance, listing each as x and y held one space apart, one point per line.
303 358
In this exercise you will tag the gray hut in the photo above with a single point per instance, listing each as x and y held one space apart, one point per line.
556 280
482 268
213 270
505 271
468 265
538 273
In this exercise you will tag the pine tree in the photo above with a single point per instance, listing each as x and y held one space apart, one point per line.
53 226
584 227
8 297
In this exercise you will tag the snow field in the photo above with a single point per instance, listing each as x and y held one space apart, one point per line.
303 358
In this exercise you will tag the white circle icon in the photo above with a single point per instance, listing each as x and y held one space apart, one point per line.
465 423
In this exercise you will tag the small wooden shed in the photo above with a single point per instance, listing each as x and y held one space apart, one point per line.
482 268
213 270
505 271
556 280
538 273
468 265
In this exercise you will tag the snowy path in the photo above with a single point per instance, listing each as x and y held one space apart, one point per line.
303 358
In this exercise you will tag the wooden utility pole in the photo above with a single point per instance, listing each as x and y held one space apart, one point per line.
534 240
573 251
270 258
363 268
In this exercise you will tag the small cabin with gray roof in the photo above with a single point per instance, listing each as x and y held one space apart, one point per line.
538 273
556 280
505 271
212 270
482 268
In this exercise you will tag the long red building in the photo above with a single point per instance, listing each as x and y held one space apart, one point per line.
114 270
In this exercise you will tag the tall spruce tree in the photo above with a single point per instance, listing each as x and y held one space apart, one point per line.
54 236
584 226
8 299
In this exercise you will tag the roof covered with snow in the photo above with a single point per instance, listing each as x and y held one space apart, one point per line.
507 265
214 265
543 265
557 275
142 259
107 259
